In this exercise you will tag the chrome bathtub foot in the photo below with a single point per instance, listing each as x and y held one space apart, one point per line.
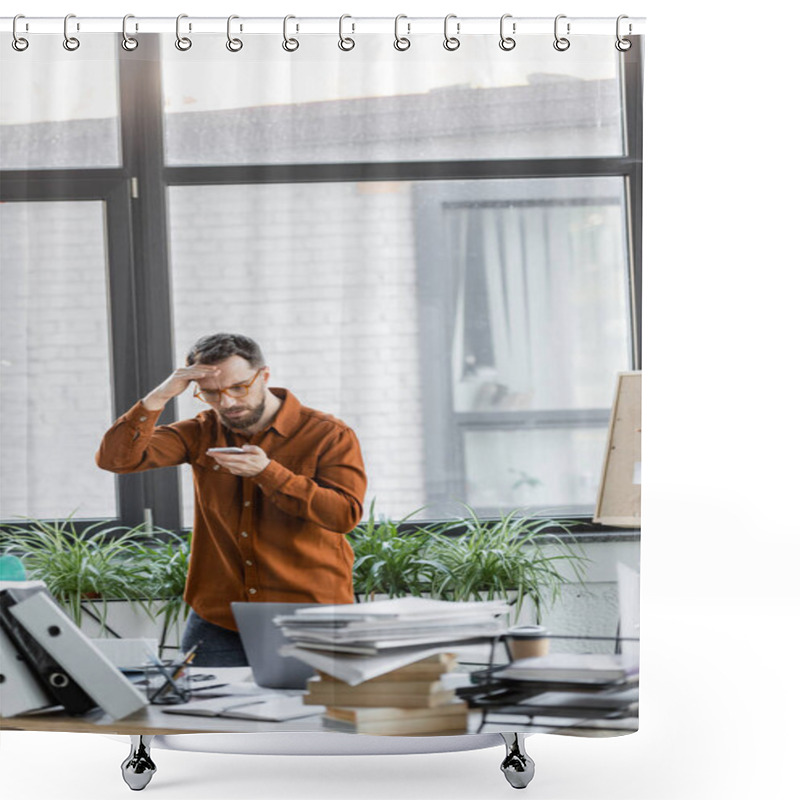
517 766
138 768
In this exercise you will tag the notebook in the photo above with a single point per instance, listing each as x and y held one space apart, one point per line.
262 639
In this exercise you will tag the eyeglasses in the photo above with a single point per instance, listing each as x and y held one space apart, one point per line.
215 395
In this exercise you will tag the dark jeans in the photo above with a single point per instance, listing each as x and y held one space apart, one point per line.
219 647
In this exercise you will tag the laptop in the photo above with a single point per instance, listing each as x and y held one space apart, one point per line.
262 639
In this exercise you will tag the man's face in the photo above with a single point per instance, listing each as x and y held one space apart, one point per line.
238 413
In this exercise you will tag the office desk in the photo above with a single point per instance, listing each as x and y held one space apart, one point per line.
152 720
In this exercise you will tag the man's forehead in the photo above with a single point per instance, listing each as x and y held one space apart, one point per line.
233 370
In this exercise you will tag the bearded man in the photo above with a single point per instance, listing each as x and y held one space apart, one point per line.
271 507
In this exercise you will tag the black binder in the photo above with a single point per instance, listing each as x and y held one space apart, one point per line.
56 682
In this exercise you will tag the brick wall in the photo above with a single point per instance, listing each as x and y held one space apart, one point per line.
324 277
54 360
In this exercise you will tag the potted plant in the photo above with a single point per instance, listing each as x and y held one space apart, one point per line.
86 570
515 557
390 562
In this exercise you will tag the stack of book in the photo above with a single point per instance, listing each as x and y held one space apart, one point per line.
410 701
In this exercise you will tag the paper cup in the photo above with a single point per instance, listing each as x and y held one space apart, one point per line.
528 642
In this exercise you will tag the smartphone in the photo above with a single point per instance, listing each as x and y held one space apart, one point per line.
225 450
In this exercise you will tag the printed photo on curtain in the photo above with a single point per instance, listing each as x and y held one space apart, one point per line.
321 373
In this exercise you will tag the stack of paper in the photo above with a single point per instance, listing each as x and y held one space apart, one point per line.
588 668
368 628
360 641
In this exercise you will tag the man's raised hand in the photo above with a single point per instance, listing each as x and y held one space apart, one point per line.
176 384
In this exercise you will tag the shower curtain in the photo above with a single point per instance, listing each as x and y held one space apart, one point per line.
432 228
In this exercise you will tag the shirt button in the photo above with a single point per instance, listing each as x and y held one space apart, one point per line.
249 563
252 591
142 419
244 533
216 466
246 503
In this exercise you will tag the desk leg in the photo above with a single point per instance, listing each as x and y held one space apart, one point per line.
517 766
138 768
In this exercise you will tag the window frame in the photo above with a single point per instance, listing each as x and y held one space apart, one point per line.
137 231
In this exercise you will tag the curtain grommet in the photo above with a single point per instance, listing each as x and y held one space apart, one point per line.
128 43
451 43
182 43
622 44
289 44
233 44
507 43
561 43
401 43
71 43
346 43
19 43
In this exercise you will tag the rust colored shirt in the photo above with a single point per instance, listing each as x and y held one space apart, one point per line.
278 536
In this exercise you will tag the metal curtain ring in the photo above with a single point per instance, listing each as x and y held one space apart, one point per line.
561 43
234 45
18 42
128 42
70 42
401 42
345 42
622 44
289 44
451 42
183 43
506 42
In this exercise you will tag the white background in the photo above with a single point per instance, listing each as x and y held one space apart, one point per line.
720 545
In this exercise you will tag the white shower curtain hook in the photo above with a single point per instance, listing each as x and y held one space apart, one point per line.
401 42
345 42
128 42
183 43
561 43
507 42
234 45
70 42
622 44
19 43
451 42
289 44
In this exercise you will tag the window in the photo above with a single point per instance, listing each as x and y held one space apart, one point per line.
462 301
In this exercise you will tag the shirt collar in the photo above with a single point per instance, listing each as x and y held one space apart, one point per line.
288 417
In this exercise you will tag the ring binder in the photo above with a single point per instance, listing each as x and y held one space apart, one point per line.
52 678
89 669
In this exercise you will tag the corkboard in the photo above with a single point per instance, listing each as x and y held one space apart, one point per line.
619 501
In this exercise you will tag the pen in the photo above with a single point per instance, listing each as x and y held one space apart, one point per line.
177 672
182 667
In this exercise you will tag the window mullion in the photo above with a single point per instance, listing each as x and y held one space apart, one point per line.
151 347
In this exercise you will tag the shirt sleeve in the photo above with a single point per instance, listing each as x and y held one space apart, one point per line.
135 443
333 498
